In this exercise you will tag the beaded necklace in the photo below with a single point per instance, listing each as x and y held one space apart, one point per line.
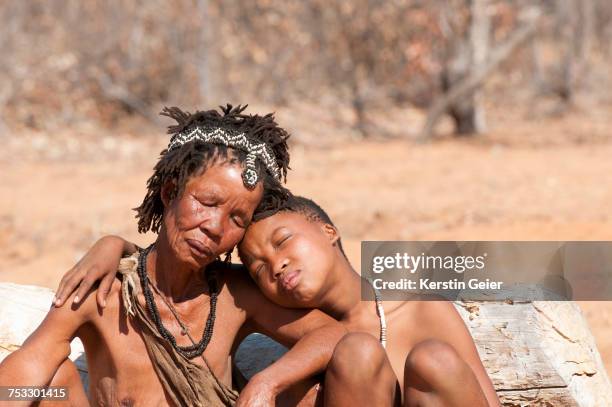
380 311
191 351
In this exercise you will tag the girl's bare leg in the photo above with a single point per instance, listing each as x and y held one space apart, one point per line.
435 375
360 374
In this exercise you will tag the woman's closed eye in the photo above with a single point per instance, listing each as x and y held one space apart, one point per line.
207 202
239 221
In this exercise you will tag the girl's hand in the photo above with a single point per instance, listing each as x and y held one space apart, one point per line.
98 264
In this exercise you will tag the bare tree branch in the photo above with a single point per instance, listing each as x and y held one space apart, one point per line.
477 78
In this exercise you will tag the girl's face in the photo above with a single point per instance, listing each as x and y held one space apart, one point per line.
290 258
211 215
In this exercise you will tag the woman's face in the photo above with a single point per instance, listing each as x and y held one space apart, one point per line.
210 217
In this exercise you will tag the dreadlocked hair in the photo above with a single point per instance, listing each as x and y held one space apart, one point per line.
195 157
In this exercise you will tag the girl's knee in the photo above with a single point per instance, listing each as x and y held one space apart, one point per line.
433 361
359 373
436 374
357 353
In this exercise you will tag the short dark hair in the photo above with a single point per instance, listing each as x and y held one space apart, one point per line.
306 207
179 164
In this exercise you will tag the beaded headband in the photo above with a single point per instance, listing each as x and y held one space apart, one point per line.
235 140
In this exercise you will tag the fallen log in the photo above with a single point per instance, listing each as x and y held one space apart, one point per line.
22 309
536 353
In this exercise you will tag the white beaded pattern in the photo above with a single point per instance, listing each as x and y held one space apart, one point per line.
381 316
238 141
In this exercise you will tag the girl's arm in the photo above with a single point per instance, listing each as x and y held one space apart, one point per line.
98 264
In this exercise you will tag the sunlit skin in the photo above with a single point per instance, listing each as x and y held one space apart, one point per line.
291 259
297 262
206 220
430 357
209 219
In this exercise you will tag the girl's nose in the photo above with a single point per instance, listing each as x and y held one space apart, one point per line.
280 267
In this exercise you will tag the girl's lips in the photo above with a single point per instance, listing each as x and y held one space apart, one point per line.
199 249
290 280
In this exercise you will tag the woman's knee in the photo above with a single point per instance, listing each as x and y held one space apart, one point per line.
67 375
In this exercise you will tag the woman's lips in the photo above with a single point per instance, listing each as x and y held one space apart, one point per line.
290 280
199 249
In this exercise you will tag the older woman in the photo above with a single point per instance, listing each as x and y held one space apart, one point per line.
169 326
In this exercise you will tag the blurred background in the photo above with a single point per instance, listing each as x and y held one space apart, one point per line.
454 119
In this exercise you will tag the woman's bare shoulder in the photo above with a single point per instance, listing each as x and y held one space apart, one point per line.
113 301
234 276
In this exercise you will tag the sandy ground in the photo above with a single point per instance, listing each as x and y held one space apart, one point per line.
59 194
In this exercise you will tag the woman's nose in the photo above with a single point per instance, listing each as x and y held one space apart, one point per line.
213 226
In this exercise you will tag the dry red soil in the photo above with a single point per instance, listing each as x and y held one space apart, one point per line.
542 181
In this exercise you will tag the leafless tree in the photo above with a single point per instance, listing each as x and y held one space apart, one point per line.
471 63
69 60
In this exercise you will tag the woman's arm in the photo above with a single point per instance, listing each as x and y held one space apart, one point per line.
98 264
37 360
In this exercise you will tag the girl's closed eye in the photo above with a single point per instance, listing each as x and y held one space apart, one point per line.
283 239
260 268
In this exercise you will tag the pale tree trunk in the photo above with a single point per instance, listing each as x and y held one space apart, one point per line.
463 110
576 18
537 70
585 36
5 94
468 56
568 21
205 59
480 30
462 90
358 105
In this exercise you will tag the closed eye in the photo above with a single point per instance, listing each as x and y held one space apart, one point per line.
238 221
258 270
207 199
208 203
283 240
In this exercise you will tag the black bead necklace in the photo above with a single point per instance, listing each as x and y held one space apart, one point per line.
191 351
